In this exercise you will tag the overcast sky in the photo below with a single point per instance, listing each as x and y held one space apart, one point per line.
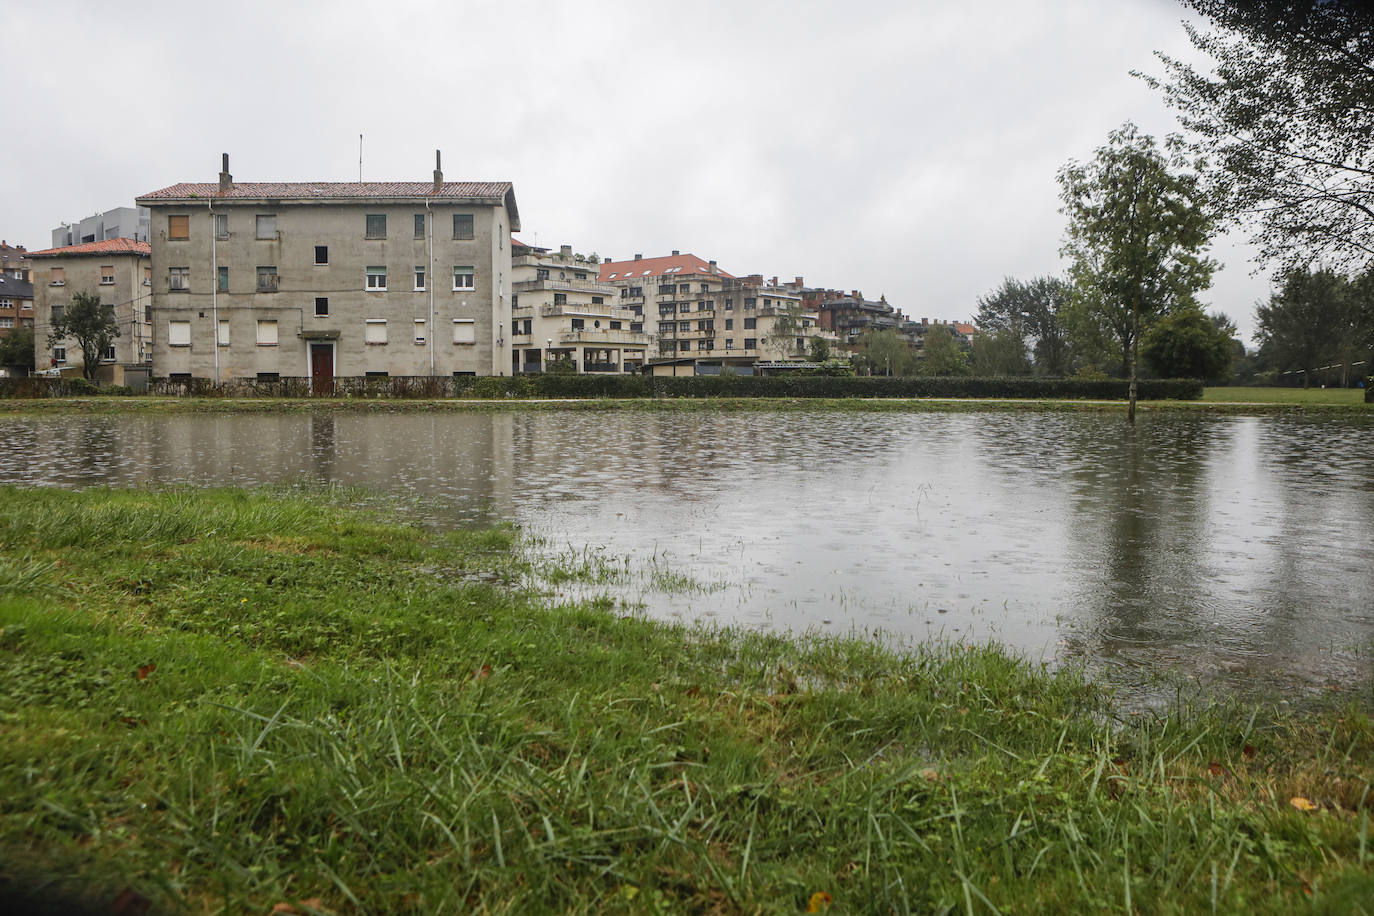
900 148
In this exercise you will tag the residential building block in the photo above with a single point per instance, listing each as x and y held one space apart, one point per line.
119 223
329 279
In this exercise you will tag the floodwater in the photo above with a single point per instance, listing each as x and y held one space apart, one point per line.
1236 550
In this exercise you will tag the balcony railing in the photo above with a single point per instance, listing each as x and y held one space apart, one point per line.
590 286
604 335
587 310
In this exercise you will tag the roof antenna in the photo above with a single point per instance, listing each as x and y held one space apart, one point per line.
360 158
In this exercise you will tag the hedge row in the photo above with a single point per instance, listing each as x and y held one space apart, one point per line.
701 386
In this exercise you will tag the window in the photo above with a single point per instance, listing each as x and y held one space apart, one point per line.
267 279
178 228
636 291
376 374
267 226
59 354
321 254
729 304
748 303
221 225
578 324
729 324
419 225
708 344
560 298
598 300
684 326
26 305
419 277
58 311
750 323
750 343
107 275
321 306
615 325
147 276
222 283
667 289
541 273
462 225
684 288
223 338
179 278
267 332
685 307
729 343
376 278
419 330
684 345
464 278
376 225
59 277
178 333
269 375
374 331
705 287
6 322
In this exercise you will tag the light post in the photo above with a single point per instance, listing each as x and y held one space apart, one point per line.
548 353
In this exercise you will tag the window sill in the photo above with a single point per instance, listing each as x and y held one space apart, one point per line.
465 289
107 283
375 343
374 289
266 345
180 346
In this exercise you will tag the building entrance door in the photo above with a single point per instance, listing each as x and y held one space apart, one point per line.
322 368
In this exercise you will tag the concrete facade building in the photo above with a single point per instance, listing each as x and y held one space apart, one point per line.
329 279
119 272
562 311
119 223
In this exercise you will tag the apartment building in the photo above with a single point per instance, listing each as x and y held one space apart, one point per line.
14 261
705 320
16 290
119 223
326 279
119 272
561 313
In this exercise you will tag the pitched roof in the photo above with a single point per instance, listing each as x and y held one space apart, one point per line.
671 266
108 246
10 288
963 328
489 192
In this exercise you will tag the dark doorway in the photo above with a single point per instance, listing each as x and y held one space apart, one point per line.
321 369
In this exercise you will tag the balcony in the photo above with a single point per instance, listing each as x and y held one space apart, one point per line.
589 286
604 336
587 310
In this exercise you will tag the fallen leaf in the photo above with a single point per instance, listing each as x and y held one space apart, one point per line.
820 901
1302 804
145 670
693 691
1216 769
930 775
1248 751
482 673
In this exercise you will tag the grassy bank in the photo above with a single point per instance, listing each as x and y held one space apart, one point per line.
223 701
1303 397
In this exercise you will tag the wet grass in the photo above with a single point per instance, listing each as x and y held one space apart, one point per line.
226 700
1305 397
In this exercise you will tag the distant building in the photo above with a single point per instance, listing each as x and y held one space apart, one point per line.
119 272
16 290
705 321
14 261
119 223
331 278
560 310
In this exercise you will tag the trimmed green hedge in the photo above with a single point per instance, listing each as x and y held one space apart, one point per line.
637 386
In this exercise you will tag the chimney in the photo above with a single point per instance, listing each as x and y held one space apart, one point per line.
775 281
565 251
606 260
639 257
438 173
714 268
676 252
226 181
800 284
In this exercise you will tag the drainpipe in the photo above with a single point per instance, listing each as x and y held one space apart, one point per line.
431 280
214 289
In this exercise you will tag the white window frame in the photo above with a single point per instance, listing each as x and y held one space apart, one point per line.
184 273
178 332
371 275
59 353
421 275
467 272
465 331
374 331
421 332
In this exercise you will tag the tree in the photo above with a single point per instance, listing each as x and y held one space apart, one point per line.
1138 223
1188 344
91 325
943 355
16 350
1032 309
820 350
1312 321
1286 118
999 352
884 353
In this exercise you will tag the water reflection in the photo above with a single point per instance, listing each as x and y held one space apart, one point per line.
1232 547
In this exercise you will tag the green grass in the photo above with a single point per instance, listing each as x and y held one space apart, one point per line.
1337 397
226 700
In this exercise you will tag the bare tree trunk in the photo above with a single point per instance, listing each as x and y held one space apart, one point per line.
1135 353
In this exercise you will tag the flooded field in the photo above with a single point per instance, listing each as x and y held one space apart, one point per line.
1234 549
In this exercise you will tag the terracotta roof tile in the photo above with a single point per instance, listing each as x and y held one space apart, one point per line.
330 190
108 246
686 265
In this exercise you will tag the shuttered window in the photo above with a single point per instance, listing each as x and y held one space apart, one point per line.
267 332
178 228
374 332
178 333
464 331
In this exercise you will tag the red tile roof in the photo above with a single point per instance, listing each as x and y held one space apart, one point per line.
674 265
965 328
109 246
330 190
